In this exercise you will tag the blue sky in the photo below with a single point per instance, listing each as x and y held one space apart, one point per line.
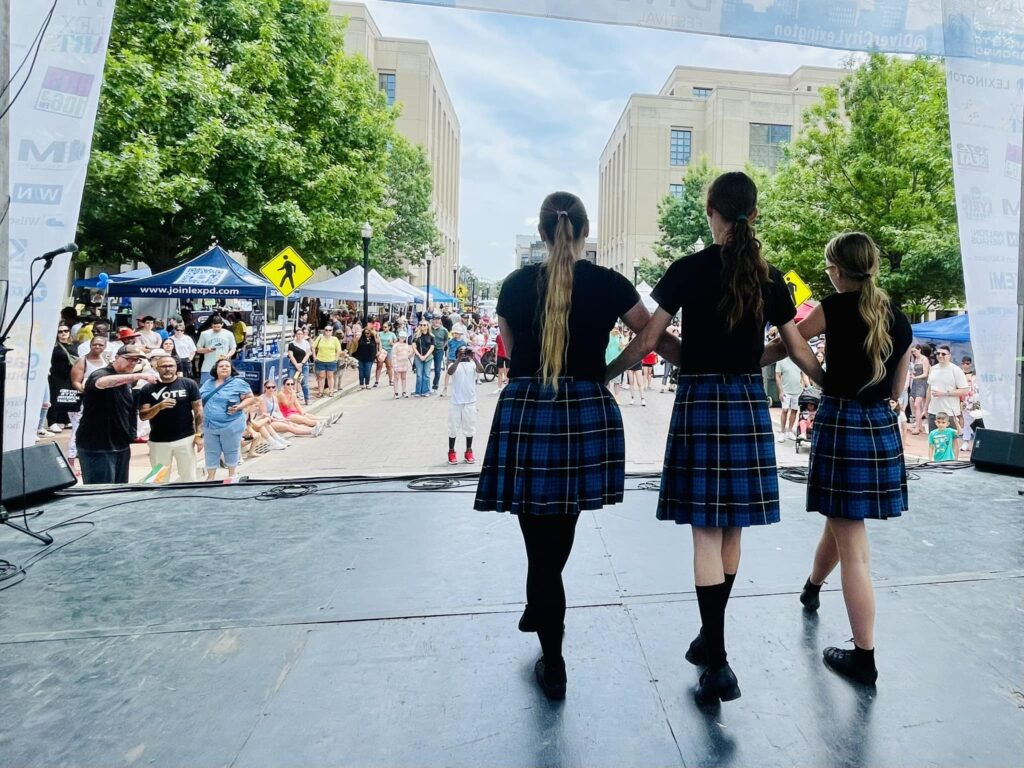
537 100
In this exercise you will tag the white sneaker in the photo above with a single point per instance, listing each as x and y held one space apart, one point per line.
43 433
56 429
276 447
318 429
781 438
791 435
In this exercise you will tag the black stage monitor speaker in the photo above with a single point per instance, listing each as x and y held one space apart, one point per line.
996 451
46 472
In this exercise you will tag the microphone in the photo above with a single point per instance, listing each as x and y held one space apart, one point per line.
49 255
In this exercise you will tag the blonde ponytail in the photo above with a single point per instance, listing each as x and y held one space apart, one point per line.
857 256
877 314
563 223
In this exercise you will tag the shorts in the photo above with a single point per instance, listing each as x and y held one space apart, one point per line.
332 367
461 420
790 402
503 362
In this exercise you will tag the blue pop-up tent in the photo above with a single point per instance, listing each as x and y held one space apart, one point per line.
954 330
437 296
211 275
94 281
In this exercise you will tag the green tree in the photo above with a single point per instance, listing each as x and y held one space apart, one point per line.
682 221
874 156
410 227
236 120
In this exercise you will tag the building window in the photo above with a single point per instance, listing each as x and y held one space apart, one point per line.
679 150
701 93
766 144
387 84
676 190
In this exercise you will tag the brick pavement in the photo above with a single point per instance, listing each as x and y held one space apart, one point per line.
381 436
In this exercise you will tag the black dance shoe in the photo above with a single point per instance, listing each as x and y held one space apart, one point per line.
717 685
810 598
551 679
849 665
697 654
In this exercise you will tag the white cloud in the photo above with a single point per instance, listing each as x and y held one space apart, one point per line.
538 98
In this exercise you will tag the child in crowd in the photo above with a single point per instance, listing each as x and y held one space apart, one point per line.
455 343
401 364
806 424
942 440
462 408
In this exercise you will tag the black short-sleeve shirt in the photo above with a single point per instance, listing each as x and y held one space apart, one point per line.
108 415
176 423
599 298
847 367
694 284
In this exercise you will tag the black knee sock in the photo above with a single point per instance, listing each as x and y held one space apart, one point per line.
729 579
711 601
469 444
451 443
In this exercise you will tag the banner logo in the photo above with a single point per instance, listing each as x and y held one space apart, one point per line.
77 35
65 92
972 157
975 206
55 156
202 276
38 194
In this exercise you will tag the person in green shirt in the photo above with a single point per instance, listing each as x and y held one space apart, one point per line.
942 440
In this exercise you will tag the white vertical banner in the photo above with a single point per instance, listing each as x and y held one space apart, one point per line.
51 129
986 114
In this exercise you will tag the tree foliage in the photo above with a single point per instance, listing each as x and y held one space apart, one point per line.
409 226
245 122
873 156
682 221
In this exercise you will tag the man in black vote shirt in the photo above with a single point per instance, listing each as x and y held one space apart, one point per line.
174 409
107 428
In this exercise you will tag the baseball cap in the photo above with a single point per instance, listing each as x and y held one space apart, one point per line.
458 328
428 316
125 333
131 351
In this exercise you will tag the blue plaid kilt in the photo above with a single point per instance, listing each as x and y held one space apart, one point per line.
857 468
550 455
720 458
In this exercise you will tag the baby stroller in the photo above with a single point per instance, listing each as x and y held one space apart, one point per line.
808 403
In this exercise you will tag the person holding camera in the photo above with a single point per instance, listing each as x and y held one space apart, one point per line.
462 414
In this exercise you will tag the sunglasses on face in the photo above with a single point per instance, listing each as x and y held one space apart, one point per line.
289 383
63 330
943 354
270 386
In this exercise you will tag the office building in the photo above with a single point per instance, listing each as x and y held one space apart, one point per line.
733 118
408 73
530 249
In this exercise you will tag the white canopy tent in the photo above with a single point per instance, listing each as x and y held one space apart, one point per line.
645 296
349 287
418 294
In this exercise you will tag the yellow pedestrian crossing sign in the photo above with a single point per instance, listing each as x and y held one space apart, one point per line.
287 271
798 290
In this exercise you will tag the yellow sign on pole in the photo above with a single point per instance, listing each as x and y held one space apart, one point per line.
462 292
798 290
287 271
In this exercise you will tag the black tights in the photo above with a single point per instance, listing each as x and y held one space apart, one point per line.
548 540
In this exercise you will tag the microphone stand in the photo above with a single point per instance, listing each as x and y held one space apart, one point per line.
45 538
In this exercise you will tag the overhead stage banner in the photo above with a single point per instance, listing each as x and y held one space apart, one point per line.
983 41
56 93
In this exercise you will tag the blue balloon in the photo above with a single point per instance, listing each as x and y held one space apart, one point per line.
103 280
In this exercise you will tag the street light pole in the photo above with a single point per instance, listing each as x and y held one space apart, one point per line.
429 257
636 270
367 233
455 281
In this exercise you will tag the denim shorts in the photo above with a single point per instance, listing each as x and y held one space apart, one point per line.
332 367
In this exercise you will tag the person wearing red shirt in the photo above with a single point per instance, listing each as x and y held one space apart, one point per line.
503 363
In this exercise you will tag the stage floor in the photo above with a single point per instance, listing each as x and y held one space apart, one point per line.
372 625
